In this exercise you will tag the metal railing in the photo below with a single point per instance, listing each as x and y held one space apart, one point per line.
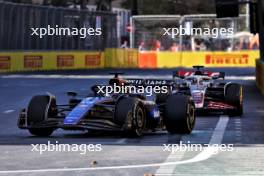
16 21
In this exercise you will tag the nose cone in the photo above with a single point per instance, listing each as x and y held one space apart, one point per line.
198 98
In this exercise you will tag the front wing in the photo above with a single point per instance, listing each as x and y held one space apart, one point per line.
83 124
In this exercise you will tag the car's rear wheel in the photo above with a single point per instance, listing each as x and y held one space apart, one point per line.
234 96
130 114
179 116
37 111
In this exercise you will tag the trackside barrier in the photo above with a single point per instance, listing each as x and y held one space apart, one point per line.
121 58
147 59
30 61
208 59
168 59
259 75
220 59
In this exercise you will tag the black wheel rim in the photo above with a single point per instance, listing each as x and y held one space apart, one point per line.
190 116
139 121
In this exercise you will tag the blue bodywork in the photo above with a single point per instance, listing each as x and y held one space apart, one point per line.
81 110
154 112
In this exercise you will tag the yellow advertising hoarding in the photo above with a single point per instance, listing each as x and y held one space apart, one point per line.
220 59
122 58
29 61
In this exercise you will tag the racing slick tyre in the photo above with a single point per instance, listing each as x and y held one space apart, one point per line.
161 98
234 96
36 113
41 132
179 114
130 114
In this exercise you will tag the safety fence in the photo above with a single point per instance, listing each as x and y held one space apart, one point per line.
64 28
199 32
121 58
259 75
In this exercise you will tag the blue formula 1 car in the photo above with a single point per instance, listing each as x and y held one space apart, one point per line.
130 113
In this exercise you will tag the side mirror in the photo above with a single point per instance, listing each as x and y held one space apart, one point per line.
222 75
72 94
175 74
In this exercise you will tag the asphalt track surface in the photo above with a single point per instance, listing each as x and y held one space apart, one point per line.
129 156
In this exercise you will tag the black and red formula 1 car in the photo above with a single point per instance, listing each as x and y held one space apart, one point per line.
210 92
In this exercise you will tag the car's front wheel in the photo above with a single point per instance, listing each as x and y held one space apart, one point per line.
38 109
179 116
41 132
130 114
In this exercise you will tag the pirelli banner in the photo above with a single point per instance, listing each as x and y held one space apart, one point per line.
220 59
165 59
30 61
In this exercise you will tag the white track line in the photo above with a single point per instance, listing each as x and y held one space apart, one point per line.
9 111
219 131
121 141
168 169
205 154
110 76
216 138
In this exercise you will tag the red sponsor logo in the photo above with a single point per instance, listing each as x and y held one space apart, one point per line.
5 62
31 61
65 61
93 60
226 59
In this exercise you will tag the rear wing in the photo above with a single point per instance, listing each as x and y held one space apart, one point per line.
149 82
183 74
137 82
